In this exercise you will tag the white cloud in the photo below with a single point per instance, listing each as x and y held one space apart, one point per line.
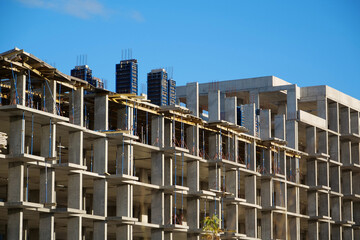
79 8
137 16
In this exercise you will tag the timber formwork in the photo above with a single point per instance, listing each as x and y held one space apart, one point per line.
103 165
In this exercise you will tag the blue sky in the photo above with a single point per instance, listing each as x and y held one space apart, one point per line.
304 42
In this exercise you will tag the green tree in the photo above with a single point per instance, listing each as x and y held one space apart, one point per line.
211 227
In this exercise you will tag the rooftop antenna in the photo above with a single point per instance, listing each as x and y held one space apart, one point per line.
122 54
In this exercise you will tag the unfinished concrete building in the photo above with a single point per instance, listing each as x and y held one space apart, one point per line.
271 159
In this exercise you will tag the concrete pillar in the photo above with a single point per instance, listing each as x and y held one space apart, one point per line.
336 232
168 133
214 105
345 152
76 147
251 222
280 126
100 155
322 142
323 204
324 230
46 226
17 135
344 120
249 118
15 182
347 212
323 168
214 146
157 168
100 230
333 116
192 98
267 225
50 96
231 109
313 230
250 189
294 226
101 115
75 191
157 207
348 233
265 124
232 182
157 234
215 177
100 208
168 209
313 208
20 89
292 102
322 108
47 185
335 208
192 139
48 142
347 182
76 105
193 213
74 228
354 119
292 134
157 197
124 200
125 159
232 218
193 176
125 118
124 232
334 148
267 193
157 131
15 224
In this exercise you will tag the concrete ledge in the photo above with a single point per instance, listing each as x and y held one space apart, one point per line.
234 200
22 204
40 116
175 188
122 220
149 225
24 158
351 137
68 166
354 197
311 119
93 217
320 188
274 208
203 194
250 205
335 163
68 211
175 228
353 166
121 179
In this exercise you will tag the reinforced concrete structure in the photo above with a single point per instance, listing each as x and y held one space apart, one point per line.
288 172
